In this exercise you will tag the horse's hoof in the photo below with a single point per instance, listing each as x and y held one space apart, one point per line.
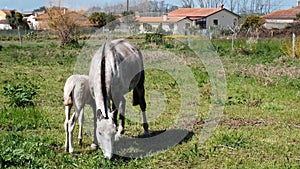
147 133
117 137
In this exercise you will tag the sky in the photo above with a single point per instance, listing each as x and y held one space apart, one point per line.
29 5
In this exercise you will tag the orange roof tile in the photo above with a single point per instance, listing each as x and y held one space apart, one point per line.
284 14
159 19
7 11
194 12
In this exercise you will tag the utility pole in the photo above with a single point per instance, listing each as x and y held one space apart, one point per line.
127 7
269 6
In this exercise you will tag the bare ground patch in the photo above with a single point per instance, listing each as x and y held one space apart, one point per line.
237 123
261 70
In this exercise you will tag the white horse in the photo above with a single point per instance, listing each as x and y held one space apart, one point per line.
77 93
116 68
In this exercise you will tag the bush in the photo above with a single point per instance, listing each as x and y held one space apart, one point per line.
154 38
288 47
20 95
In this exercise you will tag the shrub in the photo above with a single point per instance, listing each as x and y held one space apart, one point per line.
253 21
21 95
288 47
154 38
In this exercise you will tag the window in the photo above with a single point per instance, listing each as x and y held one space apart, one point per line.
235 22
216 22
187 25
201 23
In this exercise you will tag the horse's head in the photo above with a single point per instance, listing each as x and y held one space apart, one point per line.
105 133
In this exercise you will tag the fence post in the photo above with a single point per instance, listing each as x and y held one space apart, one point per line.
294 45
20 37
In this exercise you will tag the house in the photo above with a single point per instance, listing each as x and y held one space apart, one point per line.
3 14
4 25
206 18
173 25
181 19
280 19
40 21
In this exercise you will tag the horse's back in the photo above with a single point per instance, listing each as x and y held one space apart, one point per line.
78 87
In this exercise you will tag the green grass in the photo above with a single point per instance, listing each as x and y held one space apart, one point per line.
259 127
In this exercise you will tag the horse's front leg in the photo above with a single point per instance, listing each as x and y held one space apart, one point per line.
121 108
94 145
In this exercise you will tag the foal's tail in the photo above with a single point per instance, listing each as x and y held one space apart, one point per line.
68 89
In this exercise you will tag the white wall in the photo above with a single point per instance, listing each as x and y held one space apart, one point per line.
5 27
225 19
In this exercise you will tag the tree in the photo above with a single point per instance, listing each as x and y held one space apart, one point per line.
16 21
253 22
147 27
63 23
98 18
187 3
112 21
298 16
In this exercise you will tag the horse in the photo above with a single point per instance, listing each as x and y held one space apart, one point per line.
116 68
77 93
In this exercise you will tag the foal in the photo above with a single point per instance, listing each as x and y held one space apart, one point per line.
77 93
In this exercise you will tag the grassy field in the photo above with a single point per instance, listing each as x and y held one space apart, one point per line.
259 128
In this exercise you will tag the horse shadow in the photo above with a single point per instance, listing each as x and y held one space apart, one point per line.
143 145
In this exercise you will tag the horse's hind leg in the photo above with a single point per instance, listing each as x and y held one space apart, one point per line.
67 113
80 122
139 97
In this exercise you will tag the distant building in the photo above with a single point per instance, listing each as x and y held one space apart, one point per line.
4 25
174 25
3 14
280 19
184 18
205 18
39 20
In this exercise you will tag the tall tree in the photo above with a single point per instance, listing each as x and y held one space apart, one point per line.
63 24
16 21
98 18
187 3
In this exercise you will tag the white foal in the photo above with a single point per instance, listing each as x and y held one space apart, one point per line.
77 93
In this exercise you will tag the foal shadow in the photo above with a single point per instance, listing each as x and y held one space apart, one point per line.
140 146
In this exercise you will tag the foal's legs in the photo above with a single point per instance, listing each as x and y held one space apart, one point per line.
67 113
80 122
71 126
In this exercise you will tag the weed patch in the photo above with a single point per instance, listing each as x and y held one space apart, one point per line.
20 119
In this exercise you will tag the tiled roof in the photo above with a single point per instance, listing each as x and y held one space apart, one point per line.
194 12
284 14
159 19
44 16
3 22
7 11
